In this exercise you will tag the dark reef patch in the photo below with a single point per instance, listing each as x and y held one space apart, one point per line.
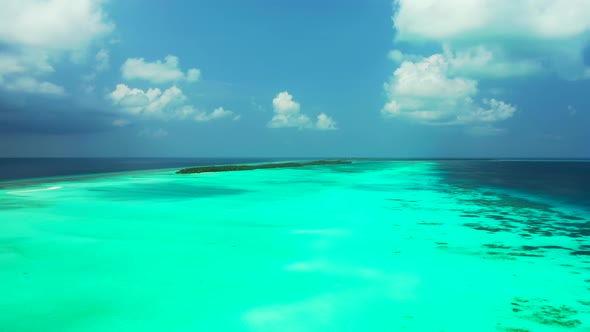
496 246
500 212
505 251
512 329
147 191
489 229
555 247
539 311
425 223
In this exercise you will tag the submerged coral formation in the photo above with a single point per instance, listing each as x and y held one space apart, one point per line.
539 311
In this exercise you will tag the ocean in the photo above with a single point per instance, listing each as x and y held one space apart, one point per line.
388 245
29 168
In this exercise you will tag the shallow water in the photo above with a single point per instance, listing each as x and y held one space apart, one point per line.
371 246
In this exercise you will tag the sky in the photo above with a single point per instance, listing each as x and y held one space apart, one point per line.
295 78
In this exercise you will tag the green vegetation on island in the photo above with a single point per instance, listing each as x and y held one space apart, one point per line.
231 168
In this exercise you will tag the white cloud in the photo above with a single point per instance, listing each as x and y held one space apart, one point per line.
102 60
479 40
493 111
158 72
32 85
20 72
165 105
477 62
53 24
38 33
170 98
396 56
152 102
193 75
287 114
325 122
218 113
482 62
501 38
428 78
20 62
426 92
450 19
399 57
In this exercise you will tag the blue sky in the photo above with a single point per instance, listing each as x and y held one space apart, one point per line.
372 78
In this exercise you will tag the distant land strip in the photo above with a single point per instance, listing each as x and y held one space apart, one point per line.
232 168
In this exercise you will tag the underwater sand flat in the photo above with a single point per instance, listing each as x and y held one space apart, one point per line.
369 246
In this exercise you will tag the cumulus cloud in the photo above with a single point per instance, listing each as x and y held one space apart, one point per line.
159 71
425 91
165 105
478 62
53 24
287 114
453 19
36 33
501 37
218 113
480 40
193 75
428 78
492 111
325 122
152 102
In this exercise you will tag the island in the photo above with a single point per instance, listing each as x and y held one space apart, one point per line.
232 168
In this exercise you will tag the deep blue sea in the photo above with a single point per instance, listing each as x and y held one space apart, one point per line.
566 180
26 168
563 180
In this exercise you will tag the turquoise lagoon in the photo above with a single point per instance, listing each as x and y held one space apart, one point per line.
370 246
